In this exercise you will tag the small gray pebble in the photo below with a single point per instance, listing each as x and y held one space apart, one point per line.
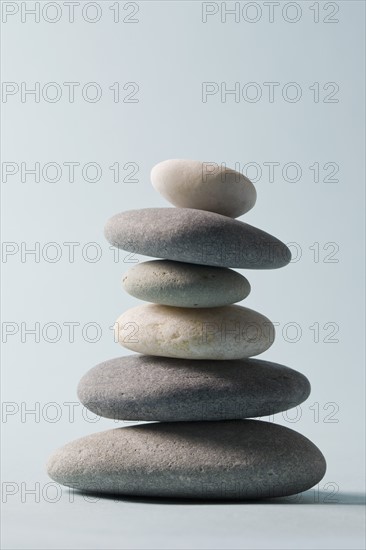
185 285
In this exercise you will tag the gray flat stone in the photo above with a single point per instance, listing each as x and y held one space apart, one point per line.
141 387
234 459
204 185
196 236
227 332
185 285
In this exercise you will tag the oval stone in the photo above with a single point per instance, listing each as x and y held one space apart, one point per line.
142 387
233 459
196 236
228 332
204 185
185 285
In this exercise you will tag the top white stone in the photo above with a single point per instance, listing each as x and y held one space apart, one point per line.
205 186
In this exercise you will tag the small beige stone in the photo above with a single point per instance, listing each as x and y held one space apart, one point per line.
205 186
228 332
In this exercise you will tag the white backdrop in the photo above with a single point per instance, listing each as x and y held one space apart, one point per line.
275 89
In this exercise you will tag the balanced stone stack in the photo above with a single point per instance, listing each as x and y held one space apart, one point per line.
193 374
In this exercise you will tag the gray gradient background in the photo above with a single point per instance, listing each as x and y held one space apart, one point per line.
169 53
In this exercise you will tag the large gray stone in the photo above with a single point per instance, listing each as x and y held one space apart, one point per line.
185 285
204 185
234 459
141 387
227 332
196 236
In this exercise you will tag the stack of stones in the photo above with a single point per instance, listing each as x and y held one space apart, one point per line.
193 374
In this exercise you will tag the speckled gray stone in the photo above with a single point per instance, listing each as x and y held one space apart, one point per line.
233 459
141 387
185 285
196 236
227 332
204 185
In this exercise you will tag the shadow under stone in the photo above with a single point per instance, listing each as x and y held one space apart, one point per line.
312 496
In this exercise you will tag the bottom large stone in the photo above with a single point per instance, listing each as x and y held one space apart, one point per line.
235 459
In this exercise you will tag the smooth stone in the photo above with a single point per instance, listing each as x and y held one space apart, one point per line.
228 332
142 387
204 185
233 459
196 236
185 285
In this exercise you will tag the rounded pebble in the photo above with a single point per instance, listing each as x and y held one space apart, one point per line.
185 285
196 236
228 332
142 387
233 459
204 185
